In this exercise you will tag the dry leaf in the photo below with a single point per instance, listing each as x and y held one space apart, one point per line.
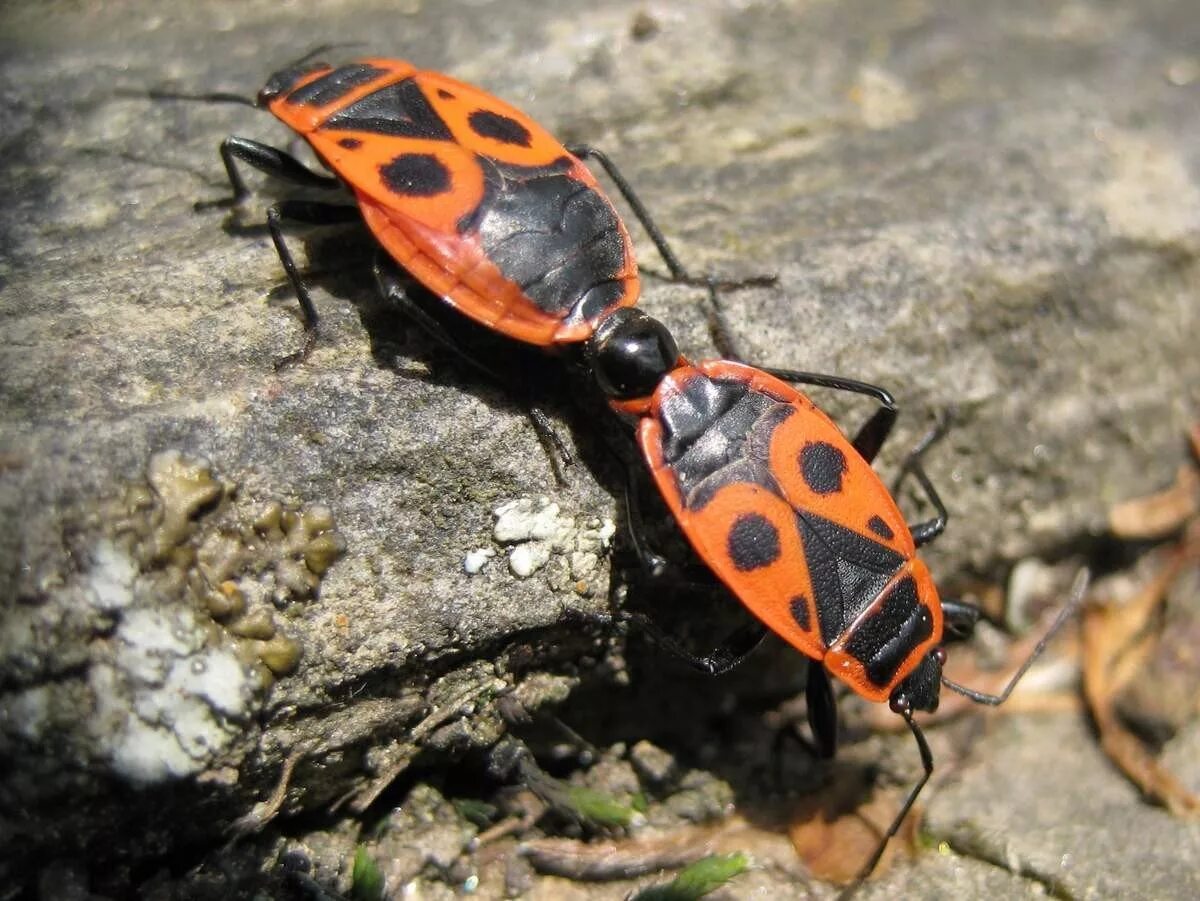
835 832
1116 642
1158 514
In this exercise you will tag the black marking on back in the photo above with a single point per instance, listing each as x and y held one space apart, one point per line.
799 608
400 110
507 130
880 528
416 175
717 432
555 237
847 571
884 640
285 79
752 542
822 467
334 85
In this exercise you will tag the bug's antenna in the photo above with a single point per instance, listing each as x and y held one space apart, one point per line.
979 697
214 97
229 97
897 821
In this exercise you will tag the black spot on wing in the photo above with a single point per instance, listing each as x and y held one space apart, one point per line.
349 143
822 467
444 94
334 85
883 641
505 129
880 528
400 110
799 609
752 542
416 175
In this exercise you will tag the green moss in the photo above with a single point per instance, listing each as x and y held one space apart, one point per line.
366 879
696 881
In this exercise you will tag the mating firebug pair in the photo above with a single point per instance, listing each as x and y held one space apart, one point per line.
478 203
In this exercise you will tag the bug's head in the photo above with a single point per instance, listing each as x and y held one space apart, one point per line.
630 353
922 688
286 79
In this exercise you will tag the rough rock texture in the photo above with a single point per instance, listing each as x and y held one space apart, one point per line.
989 205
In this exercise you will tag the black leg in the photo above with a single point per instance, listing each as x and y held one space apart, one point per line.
392 286
732 650
735 647
307 214
822 710
874 432
924 532
677 270
959 617
655 566
265 158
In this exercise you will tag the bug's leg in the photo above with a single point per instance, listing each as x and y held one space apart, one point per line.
392 287
306 213
822 710
959 618
654 566
734 648
875 431
898 821
924 532
678 272
265 158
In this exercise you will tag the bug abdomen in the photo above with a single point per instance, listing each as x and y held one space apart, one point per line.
556 238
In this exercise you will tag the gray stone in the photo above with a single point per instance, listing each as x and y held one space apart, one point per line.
990 206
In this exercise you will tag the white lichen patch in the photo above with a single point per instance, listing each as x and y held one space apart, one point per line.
167 700
537 532
109 583
168 615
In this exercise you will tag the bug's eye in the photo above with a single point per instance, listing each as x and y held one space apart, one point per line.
630 353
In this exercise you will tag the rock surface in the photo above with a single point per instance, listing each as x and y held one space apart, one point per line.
990 206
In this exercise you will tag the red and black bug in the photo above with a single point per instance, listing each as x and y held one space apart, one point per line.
790 516
466 193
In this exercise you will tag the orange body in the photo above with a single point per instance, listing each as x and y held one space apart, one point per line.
793 520
471 196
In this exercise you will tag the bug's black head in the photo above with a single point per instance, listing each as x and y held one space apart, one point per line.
630 353
285 79
922 689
